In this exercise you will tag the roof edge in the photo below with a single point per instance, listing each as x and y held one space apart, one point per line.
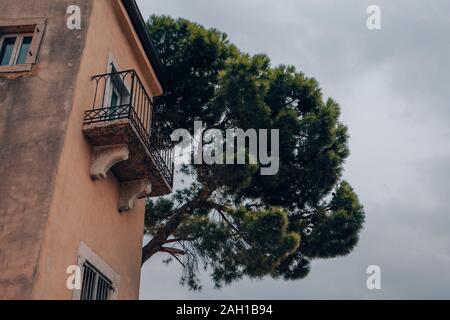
140 27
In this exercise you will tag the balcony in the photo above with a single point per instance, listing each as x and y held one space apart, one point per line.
127 139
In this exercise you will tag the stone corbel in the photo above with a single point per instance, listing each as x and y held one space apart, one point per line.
106 157
131 191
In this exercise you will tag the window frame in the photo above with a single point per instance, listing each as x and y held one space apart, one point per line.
122 90
20 40
19 37
21 28
3 37
87 256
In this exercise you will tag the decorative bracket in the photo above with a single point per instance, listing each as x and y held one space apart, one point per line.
131 191
106 157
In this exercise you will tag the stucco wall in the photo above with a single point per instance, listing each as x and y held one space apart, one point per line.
81 209
34 113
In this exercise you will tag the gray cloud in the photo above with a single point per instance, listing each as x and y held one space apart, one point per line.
392 86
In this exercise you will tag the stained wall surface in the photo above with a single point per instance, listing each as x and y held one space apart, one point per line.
34 112
52 205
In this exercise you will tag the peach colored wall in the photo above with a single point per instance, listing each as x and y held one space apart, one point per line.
81 209
34 113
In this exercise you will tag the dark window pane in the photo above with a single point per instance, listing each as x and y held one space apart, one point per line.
24 49
115 99
85 284
115 103
7 50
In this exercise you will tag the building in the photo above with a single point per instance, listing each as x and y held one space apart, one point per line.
80 147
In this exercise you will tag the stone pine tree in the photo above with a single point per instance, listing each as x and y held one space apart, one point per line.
232 222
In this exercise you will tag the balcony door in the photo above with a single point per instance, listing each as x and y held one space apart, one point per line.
119 94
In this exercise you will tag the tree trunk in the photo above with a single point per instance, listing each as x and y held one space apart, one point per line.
161 237
155 245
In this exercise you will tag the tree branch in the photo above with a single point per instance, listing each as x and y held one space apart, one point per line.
173 251
178 240
221 209
178 259
180 215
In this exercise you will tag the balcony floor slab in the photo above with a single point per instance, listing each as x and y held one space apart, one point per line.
141 163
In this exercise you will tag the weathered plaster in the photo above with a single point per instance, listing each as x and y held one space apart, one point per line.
49 202
34 112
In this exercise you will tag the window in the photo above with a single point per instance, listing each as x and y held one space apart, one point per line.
119 93
15 49
20 40
24 49
96 286
99 280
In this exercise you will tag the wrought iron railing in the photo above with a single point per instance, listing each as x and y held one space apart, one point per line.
121 95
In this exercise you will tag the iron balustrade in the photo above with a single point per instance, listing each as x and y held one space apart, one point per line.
121 95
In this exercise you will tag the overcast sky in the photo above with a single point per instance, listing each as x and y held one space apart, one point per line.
394 89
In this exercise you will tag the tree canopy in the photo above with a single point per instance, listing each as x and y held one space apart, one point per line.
232 221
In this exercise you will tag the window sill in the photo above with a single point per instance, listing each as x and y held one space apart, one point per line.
16 68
